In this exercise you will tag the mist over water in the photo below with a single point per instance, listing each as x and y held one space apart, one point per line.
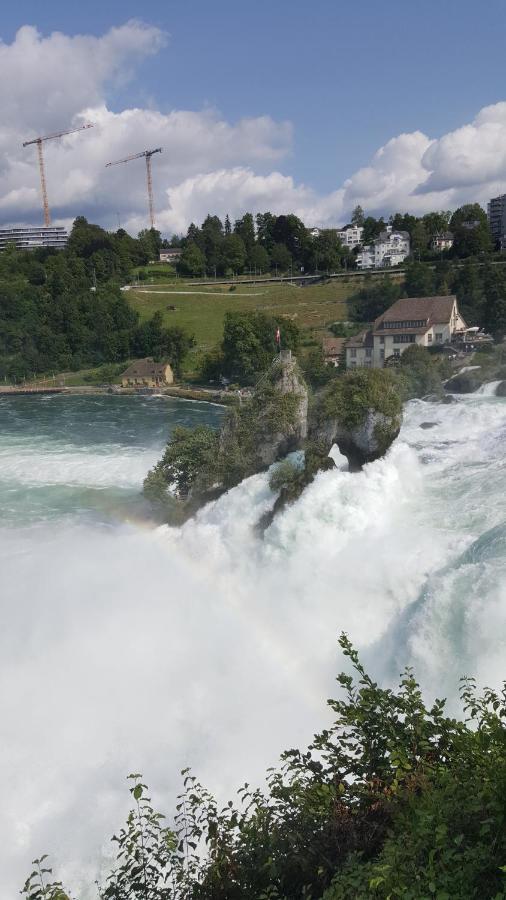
124 647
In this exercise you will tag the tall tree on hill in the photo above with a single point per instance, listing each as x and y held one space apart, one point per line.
357 216
233 254
281 257
494 307
151 240
403 222
259 259
212 235
265 223
467 284
290 231
419 238
437 222
245 228
194 236
326 252
372 228
192 260
470 231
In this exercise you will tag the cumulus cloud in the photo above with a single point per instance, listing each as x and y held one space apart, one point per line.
208 164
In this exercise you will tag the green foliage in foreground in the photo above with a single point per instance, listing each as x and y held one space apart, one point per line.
394 800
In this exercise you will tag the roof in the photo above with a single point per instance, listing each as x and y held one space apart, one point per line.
364 339
427 310
143 367
388 235
332 346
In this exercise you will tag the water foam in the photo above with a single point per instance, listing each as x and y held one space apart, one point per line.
151 649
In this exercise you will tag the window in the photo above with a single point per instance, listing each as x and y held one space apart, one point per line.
353 352
368 351
382 354
429 338
382 339
439 337
404 338
353 364
408 323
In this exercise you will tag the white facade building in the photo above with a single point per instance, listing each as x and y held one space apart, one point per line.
351 236
31 238
426 321
389 249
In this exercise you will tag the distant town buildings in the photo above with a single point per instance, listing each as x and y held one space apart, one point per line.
443 241
389 249
170 255
426 321
496 214
351 236
32 238
147 373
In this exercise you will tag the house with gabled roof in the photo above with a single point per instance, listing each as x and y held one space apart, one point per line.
147 373
426 321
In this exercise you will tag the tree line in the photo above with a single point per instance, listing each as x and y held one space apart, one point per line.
269 243
64 310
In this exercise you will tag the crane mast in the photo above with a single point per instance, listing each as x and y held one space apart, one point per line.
147 154
40 154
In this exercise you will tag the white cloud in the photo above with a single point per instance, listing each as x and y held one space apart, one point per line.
208 164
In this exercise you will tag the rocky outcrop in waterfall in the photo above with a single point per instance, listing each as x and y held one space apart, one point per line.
360 412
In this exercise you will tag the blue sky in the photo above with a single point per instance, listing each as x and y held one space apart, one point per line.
300 107
348 75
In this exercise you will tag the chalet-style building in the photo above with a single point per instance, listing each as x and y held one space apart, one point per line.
442 241
426 321
333 349
146 373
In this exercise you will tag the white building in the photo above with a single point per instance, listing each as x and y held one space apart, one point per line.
170 255
32 238
351 236
426 321
389 249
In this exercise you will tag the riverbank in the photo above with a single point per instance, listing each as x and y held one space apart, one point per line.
206 395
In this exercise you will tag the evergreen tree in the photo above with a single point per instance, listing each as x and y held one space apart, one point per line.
357 216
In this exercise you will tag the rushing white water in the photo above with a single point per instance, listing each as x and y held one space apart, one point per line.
125 647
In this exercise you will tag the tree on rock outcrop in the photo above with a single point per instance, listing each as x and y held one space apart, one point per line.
361 413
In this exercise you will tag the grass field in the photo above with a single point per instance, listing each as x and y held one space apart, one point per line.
201 309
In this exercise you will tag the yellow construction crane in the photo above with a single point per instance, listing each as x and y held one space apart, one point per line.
147 155
39 141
